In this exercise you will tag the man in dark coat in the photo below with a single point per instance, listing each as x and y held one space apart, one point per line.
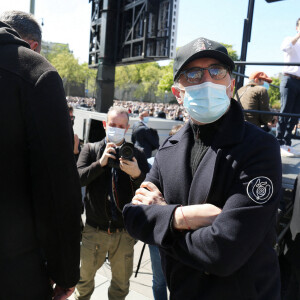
40 190
143 136
210 200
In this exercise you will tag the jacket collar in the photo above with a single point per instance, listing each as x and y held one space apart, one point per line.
9 36
230 131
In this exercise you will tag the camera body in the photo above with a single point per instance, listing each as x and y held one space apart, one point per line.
125 151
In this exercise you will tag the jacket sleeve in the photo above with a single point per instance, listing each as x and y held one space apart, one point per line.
236 233
54 179
150 224
144 167
151 138
88 168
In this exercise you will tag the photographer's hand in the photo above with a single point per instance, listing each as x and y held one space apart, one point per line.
130 167
110 148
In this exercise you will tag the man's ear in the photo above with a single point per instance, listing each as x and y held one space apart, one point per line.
104 124
127 127
33 45
176 93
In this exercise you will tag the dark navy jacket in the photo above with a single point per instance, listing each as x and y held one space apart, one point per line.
233 258
142 136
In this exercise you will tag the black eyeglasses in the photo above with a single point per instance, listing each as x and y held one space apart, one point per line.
195 75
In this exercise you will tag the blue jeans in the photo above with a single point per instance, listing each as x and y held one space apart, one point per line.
159 286
290 103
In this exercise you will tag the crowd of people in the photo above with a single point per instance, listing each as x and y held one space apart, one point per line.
81 102
208 201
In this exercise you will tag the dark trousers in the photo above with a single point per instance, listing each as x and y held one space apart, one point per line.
290 103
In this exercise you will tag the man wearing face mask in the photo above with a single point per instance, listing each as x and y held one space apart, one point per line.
255 96
210 200
143 136
108 190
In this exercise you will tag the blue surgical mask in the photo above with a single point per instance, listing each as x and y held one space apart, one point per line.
206 102
115 134
146 119
266 85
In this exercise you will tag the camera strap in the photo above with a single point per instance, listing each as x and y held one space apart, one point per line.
114 200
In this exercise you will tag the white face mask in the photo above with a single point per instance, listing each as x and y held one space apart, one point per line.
206 102
115 134
146 119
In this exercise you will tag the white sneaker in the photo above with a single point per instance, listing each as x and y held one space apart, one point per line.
288 151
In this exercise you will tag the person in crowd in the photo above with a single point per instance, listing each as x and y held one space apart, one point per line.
110 183
290 92
254 96
211 197
40 190
77 148
144 136
161 113
178 114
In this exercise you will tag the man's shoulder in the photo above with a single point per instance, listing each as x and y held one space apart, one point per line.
139 126
255 136
24 63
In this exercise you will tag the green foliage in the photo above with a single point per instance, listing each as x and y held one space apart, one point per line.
166 81
232 53
69 68
274 94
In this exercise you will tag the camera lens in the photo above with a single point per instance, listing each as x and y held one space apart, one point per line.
126 151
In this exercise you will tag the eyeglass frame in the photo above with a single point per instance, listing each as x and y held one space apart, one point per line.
203 69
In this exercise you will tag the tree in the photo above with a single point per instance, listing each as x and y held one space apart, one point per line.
274 93
126 78
69 69
232 53
150 74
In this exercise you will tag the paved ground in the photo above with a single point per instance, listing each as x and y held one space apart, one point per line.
140 286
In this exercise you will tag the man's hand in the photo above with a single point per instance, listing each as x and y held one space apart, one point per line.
61 293
148 194
130 167
109 149
195 216
76 144
296 38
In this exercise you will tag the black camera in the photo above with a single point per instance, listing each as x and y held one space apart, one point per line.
125 151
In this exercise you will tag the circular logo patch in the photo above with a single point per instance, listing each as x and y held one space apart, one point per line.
260 189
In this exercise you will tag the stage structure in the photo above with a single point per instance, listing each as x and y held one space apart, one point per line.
128 32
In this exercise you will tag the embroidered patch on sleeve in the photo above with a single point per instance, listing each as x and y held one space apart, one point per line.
260 189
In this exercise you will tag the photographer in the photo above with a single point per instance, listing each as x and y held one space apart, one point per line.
111 170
